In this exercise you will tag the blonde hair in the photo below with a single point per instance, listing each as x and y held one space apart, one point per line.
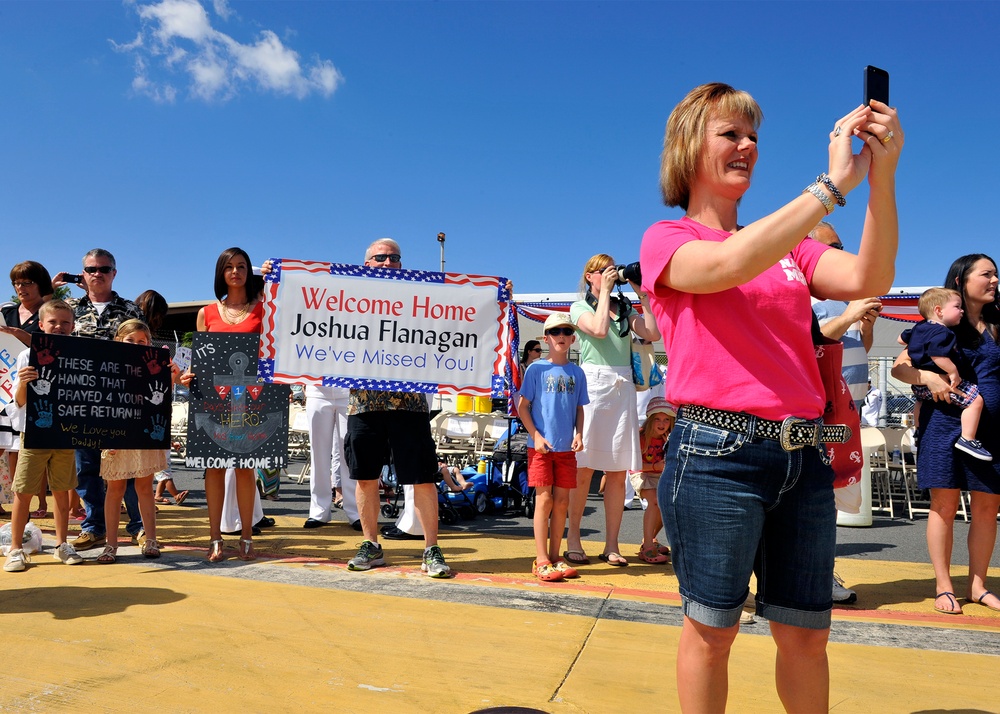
645 431
597 262
685 134
935 297
130 327
53 305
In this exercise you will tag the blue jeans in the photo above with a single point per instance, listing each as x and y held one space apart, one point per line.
90 486
733 505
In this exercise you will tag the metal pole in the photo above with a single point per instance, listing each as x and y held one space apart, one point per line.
441 241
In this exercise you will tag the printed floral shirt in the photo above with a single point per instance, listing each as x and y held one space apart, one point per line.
105 325
372 400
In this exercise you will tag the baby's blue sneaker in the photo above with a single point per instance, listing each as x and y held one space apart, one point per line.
973 448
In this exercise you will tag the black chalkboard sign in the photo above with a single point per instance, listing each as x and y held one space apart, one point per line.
97 394
234 420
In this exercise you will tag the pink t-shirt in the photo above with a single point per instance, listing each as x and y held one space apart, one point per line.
745 349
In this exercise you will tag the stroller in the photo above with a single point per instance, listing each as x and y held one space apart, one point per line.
508 487
452 506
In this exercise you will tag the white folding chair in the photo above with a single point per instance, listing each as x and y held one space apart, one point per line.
873 445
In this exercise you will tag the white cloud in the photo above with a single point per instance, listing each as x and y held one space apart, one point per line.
177 37
222 9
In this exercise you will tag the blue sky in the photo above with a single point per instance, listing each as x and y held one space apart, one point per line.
529 132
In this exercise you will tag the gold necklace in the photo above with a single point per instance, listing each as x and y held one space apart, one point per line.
233 317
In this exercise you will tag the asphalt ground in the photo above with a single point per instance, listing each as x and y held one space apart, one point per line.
896 539
296 631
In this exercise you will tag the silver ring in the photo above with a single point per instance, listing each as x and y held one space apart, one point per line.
837 132
888 137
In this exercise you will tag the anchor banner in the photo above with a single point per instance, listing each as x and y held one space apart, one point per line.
334 324
234 420
97 394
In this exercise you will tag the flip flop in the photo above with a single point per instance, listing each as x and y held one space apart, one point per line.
576 557
613 559
983 597
951 601
162 499
653 556
40 513
179 498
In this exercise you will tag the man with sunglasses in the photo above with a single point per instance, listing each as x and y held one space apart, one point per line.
98 315
381 424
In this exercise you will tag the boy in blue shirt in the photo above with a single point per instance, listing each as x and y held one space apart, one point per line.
550 404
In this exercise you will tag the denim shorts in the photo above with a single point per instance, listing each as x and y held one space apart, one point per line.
733 505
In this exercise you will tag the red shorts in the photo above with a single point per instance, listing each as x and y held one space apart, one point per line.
553 468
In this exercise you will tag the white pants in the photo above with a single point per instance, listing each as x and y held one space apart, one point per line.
327 417
231 509
408 521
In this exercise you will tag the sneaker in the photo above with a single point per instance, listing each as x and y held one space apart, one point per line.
139 538
842 595
567 570
747 618
433 563
87 540
369 556
67 554
17 561
546 572
973 448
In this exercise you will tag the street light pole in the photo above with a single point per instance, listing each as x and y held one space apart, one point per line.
441 241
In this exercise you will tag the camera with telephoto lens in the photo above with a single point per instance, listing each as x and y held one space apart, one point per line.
629 272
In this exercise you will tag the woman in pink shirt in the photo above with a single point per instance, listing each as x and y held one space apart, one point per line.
746 485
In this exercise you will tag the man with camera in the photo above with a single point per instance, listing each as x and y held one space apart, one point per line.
98 314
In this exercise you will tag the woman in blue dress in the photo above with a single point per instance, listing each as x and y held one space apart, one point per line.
943 469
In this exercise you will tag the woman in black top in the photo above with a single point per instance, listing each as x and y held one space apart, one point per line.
33 286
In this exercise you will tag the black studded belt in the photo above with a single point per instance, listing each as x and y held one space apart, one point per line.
792 433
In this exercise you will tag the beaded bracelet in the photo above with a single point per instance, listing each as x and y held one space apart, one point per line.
823 197
824 179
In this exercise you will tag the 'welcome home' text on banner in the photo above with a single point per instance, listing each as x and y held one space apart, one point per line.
97 394
345 325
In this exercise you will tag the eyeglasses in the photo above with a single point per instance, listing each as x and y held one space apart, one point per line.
536 349
566 331
837 246
382 257
23 283
103 269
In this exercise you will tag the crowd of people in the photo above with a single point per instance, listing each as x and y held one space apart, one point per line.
732 461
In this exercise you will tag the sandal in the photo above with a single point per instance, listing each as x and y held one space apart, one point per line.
246 549
653 556
179 498
40 513
108 556
546 572
215 551
662 549
614 559
980 600
151 549
576 557
952 602
162 499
